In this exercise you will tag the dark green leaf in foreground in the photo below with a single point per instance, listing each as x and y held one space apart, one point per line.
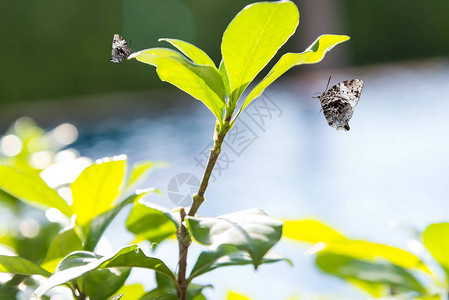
151 222
18 265
101 284
226 255
381 272
79 263
101 222
251 230
31 189
202 82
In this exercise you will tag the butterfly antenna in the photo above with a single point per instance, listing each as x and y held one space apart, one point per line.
328 83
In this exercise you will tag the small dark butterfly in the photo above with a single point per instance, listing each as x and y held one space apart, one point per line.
120 49
339 101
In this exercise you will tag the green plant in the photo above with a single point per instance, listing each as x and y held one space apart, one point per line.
378 269
249 43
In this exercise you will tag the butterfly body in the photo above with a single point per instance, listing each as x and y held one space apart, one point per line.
339 101
120 49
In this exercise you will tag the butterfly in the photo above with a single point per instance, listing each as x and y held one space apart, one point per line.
339 101
120 49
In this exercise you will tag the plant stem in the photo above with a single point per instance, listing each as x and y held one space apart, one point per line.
184 242
183 236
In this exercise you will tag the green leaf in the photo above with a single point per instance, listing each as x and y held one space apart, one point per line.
225 78
160 294
372 251
231 295
250 230
350 268
18 265
99 224
314 54
226 255
201 82
64 243
131 291
197 55
31 189
253 37
96 188
310 231
81 262
101 284
436 239
152 222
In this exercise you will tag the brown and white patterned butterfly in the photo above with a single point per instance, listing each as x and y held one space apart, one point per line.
339 101
120 49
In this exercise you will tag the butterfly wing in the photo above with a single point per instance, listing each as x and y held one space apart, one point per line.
338 102
120 49
349 90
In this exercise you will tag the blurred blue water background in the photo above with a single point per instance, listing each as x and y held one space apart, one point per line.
389 169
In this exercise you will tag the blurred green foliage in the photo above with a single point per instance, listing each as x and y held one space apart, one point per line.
62 48
383 30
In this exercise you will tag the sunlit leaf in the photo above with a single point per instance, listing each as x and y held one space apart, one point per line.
250 230
253 37
197 55
371 251
350 268
18 265
96 188
101 222
225 77
31 189
310 231
81 262
236 296
202 82
64 243
227 255
314 54
373 288
131 291
436 239
151 222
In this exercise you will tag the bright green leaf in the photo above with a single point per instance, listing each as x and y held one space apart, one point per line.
152 222
18 265
236 296
314 54
253 37
101 284
197 55
64 243
385 273
310 231
436 239
101 222
138 172
372 251
31 189
225 78
202 82
226 255
250 230
375 289
79 263
96 188
131 291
